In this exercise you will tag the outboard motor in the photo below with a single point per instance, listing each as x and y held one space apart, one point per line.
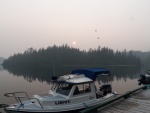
144 79
106 88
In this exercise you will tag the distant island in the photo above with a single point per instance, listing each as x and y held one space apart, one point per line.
68 56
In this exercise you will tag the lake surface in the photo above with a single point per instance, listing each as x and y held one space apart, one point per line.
122 79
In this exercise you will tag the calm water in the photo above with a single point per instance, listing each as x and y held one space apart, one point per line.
122 79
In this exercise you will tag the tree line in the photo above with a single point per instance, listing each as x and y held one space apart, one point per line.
144 56
68 56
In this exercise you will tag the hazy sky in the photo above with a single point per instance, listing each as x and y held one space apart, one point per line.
119 24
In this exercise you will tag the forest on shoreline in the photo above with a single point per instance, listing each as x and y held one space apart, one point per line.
69 56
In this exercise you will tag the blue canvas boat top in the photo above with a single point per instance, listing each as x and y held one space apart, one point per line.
92 73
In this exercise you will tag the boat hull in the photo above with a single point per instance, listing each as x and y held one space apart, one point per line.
72 111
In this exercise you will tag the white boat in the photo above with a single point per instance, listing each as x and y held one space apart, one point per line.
70 92
145 78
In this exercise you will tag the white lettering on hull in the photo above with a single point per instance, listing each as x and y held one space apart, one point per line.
62 102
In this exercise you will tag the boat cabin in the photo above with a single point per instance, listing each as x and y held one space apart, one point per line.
73 88
73 85
69 89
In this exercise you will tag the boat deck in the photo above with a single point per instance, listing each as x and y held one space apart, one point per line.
137 103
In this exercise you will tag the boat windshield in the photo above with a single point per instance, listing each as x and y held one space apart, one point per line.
64 89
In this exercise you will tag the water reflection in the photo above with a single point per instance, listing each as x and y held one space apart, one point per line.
44 73
1 67
122 72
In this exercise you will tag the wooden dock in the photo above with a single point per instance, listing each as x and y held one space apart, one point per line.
136 101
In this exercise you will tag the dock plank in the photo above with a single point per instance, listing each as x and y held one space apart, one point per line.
136 103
